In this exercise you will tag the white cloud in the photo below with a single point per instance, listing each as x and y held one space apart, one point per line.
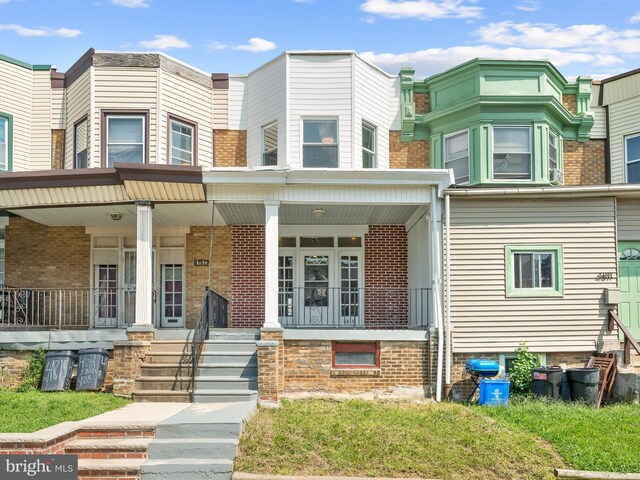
634 19
421 9
164 42
529 6
5 1
40 31
256 45
216 46
132 3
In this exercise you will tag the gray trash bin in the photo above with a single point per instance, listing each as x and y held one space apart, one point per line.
547 382
584 384
92 368
58 367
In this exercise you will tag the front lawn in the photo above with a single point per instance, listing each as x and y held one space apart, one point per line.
605 439
34 410
374 438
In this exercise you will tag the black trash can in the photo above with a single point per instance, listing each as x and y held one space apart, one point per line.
584 384
92 368
58 367
547 382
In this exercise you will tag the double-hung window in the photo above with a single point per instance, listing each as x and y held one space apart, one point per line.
369 159
4 143
270 144
534 270
80 144
126 138
553 151
632 158
512 153
181 147
320 143
456 156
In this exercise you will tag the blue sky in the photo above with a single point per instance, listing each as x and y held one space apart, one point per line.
589 37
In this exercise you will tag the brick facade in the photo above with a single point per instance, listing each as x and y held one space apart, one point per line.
38 256
569 102
386 276
198 243
421 101
230 148
413 154
57 149
584 162
247 275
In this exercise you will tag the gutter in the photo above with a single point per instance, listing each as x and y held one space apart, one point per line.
579 191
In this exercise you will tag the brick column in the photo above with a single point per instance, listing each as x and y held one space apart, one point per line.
270 364
128 356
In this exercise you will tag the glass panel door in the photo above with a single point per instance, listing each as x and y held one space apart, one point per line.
350 293
129 287
316 275
285 289
172 309
106 296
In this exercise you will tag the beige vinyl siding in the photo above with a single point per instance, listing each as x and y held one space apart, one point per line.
395 121
79 106
15 99
193 102
220 99
128 89
628 216
486 320
621 89
58 108
623 120
320 86
237 103
266 102
41 121
599 129
371 101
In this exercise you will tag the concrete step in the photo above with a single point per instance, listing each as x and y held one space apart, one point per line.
173 384
171 346
217 358
241 370
234 334
168 357
248 346
113 448
165 370
160 396
219 395
188 469
225 383
110 468
193 448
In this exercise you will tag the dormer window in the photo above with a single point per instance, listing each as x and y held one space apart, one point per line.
456 156
512 153
320 143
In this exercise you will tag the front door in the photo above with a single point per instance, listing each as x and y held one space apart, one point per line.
106 296
629 268
317 298
172 296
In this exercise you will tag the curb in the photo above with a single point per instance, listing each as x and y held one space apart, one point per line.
260 476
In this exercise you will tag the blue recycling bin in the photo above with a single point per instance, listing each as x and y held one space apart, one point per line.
493 392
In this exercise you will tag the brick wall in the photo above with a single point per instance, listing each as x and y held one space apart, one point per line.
407 154
12 365
230 148
569 101
197 277
386 276
57 149
247 275
584 162
421 101
307 368
38 256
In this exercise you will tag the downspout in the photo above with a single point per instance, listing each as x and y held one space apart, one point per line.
436 282
447 292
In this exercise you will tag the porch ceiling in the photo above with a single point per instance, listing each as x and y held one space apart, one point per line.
302 214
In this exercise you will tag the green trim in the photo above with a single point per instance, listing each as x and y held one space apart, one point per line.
557 291
22 64
9 118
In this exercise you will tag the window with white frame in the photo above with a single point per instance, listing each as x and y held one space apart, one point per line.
80 144
320 143
632 158
270 144
456 155
4 143
553 151
125 140
369 159
512 153
182 142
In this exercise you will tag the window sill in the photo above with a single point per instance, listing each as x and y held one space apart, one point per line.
355 372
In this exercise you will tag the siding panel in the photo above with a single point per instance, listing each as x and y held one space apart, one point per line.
628 220
237 103
623 120
41 121
484 318
15 99
78 106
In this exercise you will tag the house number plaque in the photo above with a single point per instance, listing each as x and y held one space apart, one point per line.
201 262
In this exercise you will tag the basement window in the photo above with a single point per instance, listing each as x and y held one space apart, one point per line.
356 355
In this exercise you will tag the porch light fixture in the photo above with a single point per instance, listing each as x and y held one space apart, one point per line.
318 212
115 216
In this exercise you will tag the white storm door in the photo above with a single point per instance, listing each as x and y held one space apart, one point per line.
172 303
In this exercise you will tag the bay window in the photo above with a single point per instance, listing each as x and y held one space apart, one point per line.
126 137
320 143
181 145
456 156
512 153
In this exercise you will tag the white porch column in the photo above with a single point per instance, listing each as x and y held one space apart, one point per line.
271 265
144 264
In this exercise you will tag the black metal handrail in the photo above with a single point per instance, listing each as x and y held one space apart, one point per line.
213 314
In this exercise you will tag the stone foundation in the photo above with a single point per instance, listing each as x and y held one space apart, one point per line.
127 358
12 366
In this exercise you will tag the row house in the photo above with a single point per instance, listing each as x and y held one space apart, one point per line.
371 230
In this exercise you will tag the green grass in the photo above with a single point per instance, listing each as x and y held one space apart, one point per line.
34 410
373 438
605 439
